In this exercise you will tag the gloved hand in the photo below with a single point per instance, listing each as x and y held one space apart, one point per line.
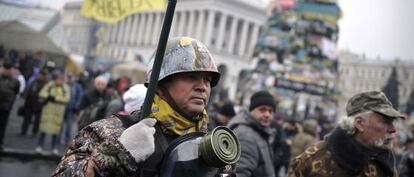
50 98
139 139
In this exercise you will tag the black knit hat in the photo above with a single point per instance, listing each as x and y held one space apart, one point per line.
261 98
227 109
7 65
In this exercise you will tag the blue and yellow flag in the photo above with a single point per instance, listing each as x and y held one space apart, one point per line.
112 11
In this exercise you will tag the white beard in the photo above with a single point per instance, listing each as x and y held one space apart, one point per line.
384 143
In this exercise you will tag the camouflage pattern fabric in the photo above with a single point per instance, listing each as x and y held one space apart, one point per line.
96 151
372 101
318 161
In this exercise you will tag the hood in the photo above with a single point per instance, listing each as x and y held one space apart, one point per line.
244 118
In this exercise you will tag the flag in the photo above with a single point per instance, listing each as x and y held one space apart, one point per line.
112 11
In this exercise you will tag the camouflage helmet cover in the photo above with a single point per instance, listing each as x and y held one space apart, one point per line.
184 54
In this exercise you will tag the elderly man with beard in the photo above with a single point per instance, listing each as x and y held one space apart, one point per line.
359 146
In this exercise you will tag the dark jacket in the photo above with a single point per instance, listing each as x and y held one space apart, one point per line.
76 93
96 151
340 155
93 98
213 122
31 95
406 165
9 88
256 152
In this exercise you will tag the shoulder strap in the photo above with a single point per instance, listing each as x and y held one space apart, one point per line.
159 136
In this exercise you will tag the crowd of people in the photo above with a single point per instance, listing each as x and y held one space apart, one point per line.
51 102
113 140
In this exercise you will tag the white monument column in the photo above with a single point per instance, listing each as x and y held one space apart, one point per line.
221 31
174 27
107 33
149 29
243 37
114 34
210 25
233 30
157 28
200 26
189 30
253 39
181 24
141 28
133 31
127 31
114 31
121 31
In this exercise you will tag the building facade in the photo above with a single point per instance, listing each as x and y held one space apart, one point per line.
229 28
359 74
79 30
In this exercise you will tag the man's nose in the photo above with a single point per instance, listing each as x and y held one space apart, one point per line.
201 85
391 129
268 113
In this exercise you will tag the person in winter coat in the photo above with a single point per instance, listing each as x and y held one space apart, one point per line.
76 92
119 146
56 95
406 165
116 103
305 138
9 88
252 128
32 105
223 115
95 99
359 146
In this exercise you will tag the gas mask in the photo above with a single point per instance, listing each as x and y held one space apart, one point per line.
202 155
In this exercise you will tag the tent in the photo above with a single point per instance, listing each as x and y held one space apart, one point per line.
135 70
25 28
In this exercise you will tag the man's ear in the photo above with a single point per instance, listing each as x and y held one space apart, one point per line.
359 124
158 91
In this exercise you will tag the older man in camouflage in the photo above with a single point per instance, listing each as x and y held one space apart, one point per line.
359 147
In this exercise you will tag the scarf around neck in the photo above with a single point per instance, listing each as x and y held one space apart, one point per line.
175 123
353 156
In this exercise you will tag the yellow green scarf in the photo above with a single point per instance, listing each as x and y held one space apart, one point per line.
173 121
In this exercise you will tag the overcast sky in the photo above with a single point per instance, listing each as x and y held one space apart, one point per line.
381 28
376 28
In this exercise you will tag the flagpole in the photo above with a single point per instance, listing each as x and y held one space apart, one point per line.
159 55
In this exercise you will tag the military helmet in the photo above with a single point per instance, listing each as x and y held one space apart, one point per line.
184 54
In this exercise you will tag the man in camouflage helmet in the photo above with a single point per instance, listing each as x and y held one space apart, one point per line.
359 146
118 146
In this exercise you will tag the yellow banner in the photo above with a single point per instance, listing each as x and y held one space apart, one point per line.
112 11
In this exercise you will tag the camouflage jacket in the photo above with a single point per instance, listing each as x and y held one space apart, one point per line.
96 151
340 156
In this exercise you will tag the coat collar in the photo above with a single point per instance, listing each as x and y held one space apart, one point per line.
352 156
244 118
